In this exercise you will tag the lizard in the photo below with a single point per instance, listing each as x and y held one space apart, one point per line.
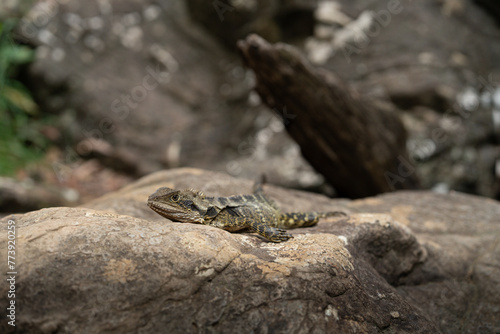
257 212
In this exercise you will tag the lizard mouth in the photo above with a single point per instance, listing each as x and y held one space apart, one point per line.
161 208
174 214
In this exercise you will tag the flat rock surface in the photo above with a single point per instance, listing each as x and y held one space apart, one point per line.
405 262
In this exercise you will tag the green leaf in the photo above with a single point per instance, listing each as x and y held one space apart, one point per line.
20 99
17 54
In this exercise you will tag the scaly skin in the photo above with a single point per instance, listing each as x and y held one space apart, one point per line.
256 212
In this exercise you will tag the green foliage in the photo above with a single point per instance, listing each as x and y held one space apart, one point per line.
20 139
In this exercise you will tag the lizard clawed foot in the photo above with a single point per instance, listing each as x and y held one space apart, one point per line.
278 235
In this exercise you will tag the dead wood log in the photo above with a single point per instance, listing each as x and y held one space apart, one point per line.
359 147
492 7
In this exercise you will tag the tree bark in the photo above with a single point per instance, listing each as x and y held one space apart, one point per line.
359 147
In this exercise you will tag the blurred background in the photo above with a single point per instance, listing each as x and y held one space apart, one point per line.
96 94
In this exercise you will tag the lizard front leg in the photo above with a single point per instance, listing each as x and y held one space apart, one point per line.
270 233
233 224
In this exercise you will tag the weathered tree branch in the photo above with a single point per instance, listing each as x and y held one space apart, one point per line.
359 147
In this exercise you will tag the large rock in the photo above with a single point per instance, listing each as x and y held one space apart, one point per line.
428 59
140 86
404 262
95 59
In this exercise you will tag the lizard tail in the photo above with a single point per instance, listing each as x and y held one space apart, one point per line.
304 219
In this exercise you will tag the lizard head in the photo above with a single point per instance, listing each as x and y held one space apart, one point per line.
186 206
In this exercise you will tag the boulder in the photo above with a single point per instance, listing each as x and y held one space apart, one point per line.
141 87
405 262
147 85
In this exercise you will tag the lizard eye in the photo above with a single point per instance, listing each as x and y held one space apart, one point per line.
175 197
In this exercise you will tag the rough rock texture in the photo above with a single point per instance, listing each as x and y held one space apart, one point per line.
140 86
405 262
20 196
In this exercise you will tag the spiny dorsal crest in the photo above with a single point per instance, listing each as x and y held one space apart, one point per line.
195 193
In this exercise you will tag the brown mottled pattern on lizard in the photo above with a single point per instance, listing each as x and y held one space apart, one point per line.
256 212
